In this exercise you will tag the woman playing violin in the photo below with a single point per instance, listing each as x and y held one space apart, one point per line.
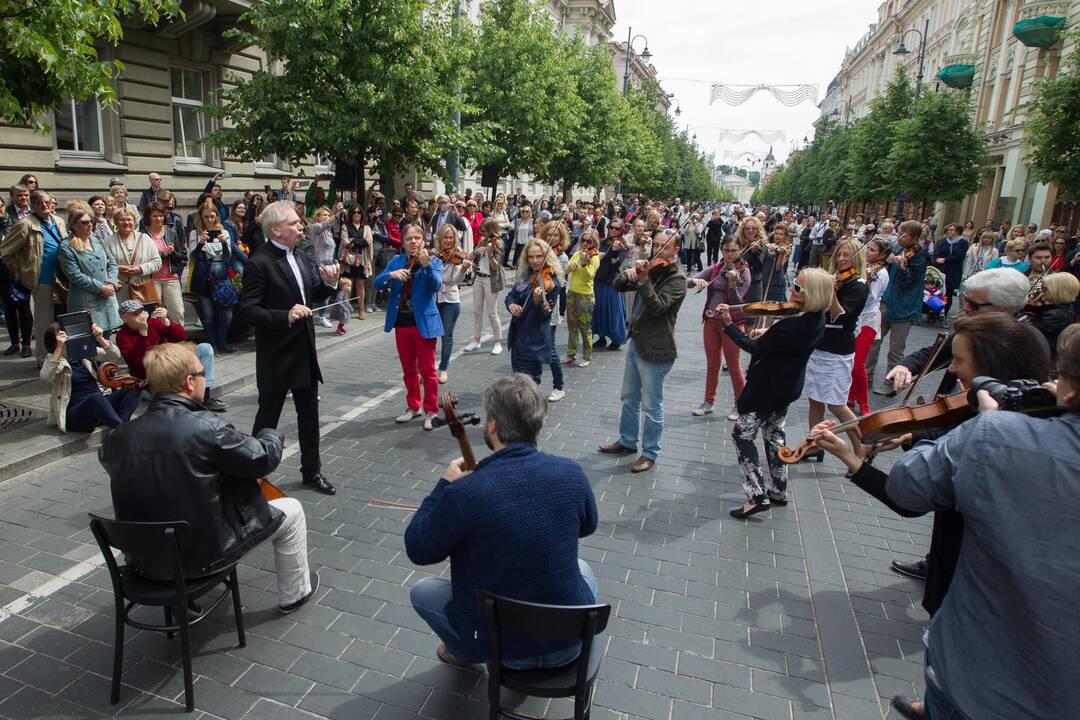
828 374
486 258
727 282
774 270
580 299
993 345
752 242
448 298
875 252
531 301
774 380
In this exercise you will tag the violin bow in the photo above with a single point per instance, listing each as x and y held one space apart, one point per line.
939 343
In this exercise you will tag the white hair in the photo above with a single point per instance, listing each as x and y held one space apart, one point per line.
1006 288
274 214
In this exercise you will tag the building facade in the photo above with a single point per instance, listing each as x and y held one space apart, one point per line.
994 49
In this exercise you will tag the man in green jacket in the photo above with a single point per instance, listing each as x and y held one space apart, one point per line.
651 352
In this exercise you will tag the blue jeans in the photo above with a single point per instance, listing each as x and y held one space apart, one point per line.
449 312
556 364
643 390
205 353
431 595
215 320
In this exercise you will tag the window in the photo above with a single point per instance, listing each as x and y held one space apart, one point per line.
78 127
189 120
323 163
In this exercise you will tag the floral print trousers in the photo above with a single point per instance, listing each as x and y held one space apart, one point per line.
579 310
771 426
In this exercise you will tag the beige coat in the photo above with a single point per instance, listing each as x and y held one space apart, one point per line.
146 257
366 256
58 372
23 247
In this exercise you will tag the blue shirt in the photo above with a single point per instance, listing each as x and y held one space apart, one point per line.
51 233
1004 639
510 527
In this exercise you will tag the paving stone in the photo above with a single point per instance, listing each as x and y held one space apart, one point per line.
330 702
44 673
274 684
224 701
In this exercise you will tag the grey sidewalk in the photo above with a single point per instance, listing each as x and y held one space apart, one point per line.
792 614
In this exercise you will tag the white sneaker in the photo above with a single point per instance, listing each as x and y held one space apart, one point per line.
407 416
471 347
703 409
443 377
556 395
733 416
497 350
324 321
429 422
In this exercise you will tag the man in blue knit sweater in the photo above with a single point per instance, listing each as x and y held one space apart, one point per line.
511 527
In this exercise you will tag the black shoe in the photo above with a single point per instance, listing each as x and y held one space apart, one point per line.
778 499
916 569
226 350
318 483
601 343
617 448
743 514
12 350
903 706
613 347
293 607
26 351
213 404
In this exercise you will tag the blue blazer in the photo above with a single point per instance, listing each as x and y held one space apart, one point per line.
426 283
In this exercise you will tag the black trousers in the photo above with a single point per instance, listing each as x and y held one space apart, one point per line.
712 251
20 322
306 402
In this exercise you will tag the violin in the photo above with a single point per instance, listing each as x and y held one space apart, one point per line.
546 274
109 376
656 262
843 276
873 269
454 256
270 491
786 308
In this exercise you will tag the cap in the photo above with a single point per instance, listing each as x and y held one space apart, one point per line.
115 181
130 306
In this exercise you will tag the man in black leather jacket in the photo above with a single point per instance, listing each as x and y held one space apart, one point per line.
179 461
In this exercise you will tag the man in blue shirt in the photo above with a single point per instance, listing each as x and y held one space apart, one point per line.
511 527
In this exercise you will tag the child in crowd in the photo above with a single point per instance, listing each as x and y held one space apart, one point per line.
340 312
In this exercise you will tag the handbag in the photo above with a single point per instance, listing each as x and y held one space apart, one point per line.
225 293
145 291
18 294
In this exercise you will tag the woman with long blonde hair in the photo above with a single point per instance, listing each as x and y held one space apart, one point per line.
209 253
531 301
753 247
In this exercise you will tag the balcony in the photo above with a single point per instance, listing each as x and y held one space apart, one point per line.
958 70
1041 22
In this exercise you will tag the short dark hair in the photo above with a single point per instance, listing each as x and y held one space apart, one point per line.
154 207
1037 246
49 340
517 407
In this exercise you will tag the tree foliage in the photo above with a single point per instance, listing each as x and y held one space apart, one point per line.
1053 126
872 140
49 52
377 88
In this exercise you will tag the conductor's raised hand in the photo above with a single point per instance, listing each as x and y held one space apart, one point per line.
299 312
330 273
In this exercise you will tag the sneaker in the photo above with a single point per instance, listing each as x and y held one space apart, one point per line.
407 416
294 606
371 309
497 350
703 409
471 347
568 360
917 569
429 421
733 416
443 377
556 395
324 321
341 329
583 362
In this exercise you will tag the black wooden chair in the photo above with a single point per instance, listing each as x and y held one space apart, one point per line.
553 623
158 544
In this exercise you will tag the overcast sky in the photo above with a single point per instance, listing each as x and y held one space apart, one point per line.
745 42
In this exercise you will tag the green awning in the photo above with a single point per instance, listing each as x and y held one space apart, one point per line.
1041 32
957 76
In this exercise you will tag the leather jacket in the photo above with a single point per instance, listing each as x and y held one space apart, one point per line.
181 462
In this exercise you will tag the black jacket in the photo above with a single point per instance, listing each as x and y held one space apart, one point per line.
840 335
1050 321
181 462
777 361
285 356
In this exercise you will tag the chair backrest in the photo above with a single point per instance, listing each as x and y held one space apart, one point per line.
537 622
145 544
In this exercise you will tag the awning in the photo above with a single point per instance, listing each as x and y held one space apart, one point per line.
957 76
1041 32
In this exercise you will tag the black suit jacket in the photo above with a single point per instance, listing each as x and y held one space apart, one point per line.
285 356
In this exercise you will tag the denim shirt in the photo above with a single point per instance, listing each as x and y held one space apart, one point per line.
1004 639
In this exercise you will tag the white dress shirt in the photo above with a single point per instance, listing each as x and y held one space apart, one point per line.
290 258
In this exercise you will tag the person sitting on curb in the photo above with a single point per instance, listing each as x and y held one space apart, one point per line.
142 331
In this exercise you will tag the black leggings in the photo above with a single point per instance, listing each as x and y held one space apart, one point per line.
19 321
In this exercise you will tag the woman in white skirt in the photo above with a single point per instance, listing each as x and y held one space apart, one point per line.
828 374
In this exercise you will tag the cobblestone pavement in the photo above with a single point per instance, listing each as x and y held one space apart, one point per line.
792 614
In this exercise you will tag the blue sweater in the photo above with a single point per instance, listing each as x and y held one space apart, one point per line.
510 527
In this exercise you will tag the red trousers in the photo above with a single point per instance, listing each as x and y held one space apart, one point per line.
717 344
857 395
417 355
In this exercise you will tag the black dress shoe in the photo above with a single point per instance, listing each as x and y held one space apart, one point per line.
26 351
12 350
617 448
916 569
904 707
294 606
318 483
754 509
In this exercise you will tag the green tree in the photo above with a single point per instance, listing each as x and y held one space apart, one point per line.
872 140
938 154
377 88
521 87
50 52
1053 126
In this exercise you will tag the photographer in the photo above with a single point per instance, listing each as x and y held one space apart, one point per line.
995 569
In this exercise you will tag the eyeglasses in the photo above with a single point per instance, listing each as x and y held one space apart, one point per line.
201 373
796 287
974 305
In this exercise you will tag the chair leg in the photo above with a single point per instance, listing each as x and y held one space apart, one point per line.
118 654
168 620
238 614
185 651
494 697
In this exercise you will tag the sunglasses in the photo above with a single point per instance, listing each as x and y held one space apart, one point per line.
796 287
201 373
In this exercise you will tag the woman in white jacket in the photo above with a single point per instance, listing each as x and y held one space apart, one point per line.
869 325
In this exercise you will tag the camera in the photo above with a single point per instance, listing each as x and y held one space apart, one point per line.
1016 395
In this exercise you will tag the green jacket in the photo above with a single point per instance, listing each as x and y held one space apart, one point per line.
656 309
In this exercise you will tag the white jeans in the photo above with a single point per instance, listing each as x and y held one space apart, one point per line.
290 552
484 298
172 298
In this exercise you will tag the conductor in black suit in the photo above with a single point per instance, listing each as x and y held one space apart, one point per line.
280 285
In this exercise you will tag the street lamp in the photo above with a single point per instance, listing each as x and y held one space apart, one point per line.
645 55
902 49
